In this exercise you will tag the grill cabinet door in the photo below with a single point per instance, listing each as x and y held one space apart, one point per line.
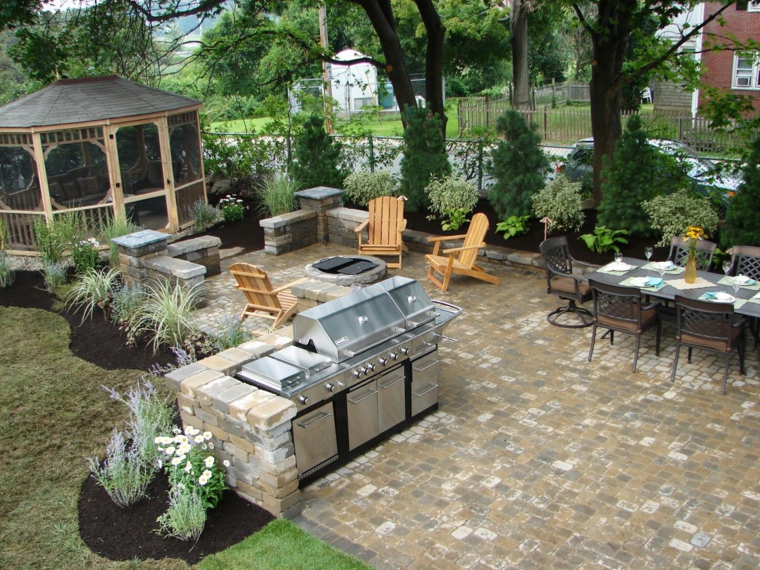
392 399
314 438
362 414
425 371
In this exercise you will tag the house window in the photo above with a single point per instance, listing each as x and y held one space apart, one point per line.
746 73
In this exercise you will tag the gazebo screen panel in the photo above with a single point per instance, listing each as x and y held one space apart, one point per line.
19 182
76 168
186 197
140 159
184 142
95 217
20 229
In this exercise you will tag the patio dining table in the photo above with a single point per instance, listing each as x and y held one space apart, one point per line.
744 304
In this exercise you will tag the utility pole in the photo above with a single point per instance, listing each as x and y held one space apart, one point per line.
325 69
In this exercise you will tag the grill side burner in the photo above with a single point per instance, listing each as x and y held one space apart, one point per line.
364 366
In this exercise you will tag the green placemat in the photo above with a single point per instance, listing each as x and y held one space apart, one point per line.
627 283
727 281
754 300
676 271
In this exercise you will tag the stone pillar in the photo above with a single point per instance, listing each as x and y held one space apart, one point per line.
320 199
289 232
135 249
251 427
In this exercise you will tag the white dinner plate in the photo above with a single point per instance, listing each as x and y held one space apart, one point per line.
639 281
615 266
722 297
742 280
666 265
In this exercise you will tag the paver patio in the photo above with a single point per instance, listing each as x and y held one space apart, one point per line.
537 458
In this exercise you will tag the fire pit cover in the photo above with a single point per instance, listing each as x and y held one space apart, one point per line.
344 265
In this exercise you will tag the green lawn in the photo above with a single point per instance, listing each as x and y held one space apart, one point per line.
54 413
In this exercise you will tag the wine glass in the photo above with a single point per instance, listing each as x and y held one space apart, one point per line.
726 266
736 285
648 251
618 257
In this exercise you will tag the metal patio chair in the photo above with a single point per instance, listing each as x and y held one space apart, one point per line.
679 252
560 281
621 309
709 326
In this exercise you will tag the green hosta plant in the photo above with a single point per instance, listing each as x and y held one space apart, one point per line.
453 219
92 289
451 199
513 226
232 208
560 201
361 187
604 239
672 215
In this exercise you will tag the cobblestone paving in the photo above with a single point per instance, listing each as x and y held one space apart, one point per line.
539 459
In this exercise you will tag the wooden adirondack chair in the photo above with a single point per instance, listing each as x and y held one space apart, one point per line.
263 300
460 260
385 227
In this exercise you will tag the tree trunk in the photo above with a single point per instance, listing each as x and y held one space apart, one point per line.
436 33
609 48
518 25
380 14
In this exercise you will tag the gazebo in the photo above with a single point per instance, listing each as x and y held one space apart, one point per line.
102 146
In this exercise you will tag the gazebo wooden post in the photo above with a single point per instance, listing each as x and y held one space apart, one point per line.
39 158
200 153
166 163
114 173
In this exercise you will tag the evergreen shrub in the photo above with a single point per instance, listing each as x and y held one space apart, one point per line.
519 166
638 172
424 157
317 156
743 213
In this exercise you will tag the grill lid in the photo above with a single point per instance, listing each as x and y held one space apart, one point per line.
411 299
272 373
350 324
309 362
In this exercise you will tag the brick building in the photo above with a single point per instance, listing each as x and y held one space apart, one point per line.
728 69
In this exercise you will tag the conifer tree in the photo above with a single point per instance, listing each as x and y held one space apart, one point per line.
317 157
519 166
424 156
637 173
743 213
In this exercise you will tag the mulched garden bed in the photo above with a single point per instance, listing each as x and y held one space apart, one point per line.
125 534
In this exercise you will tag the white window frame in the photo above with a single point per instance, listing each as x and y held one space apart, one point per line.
753 6
752 76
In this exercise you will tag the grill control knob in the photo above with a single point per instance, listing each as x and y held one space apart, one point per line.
404 350
303 399
393 355
340 384
382 361
370 367
358 372
329 386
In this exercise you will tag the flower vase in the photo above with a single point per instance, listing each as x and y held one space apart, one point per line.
690 273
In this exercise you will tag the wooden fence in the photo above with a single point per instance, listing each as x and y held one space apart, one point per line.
567 125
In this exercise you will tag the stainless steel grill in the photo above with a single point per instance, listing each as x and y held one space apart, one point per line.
363 366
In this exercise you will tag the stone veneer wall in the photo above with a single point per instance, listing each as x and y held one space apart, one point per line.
251 427
289 232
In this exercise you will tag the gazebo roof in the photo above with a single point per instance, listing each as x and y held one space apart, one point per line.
89 99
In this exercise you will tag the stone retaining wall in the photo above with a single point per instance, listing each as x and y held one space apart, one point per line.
342 222
203 250
251 428
289 232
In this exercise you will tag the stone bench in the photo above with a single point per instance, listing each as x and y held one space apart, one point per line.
203 250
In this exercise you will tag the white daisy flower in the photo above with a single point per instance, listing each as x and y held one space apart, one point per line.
170 450
188 467
202 480
207 474
207 435
209 461
176 461
199 439
226 463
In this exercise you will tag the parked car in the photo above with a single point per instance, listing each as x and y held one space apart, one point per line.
707 180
